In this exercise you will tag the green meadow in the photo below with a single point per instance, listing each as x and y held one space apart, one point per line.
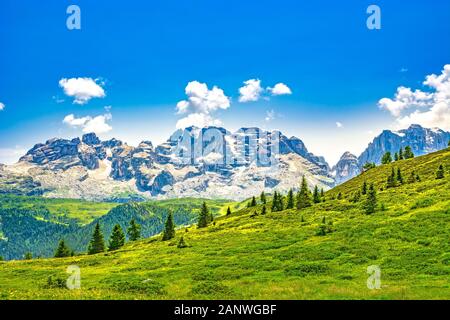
279 255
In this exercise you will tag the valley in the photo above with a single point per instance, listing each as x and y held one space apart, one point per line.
278 255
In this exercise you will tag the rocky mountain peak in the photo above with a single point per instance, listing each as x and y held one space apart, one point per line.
90 139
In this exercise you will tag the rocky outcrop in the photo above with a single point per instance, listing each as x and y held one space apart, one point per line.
346 168
421 140
209 162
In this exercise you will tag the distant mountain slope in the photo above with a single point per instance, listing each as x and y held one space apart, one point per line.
36 225
280 255
209 162
421 140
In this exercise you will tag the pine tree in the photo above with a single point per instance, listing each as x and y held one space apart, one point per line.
28 256
440 174
369 165
117 238
275 202
322 194
357 196
316 195
280 202
228 211
412 177
169 228
303 196
391 179
399 176
97 243
182 244
387 158
263 198
264 210
371 202
401 156
396 158
134 230
203 217
253 203
364 188
62 250
290 200
408 153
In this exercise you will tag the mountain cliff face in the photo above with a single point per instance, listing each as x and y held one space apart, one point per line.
209 162
346 168
421 140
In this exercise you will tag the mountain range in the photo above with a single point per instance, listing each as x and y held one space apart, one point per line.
209 162
421 140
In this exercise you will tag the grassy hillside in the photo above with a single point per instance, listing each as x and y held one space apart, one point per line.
279 255
81 212
35 225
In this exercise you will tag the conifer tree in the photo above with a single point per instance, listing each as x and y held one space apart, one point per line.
412 177
264 210
322 194
391 179
182 244
440 174
290 200
357 196
117 238
316 195
253 203
364 188
169 228
303 196
396 158
62 250
228 211
400 154
371 202
97 243
280 202
28 256
203 217
275 202
134 230
408 153
399 176
387 158
263 198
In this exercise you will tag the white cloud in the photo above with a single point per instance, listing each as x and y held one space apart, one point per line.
405 98
339 124
2 106
429 109
202 100
251 91
199 120
201 104
82 89
98 124
280 89
270 115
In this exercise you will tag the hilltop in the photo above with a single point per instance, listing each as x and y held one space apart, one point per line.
279 255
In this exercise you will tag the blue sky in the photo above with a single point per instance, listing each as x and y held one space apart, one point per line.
144 53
